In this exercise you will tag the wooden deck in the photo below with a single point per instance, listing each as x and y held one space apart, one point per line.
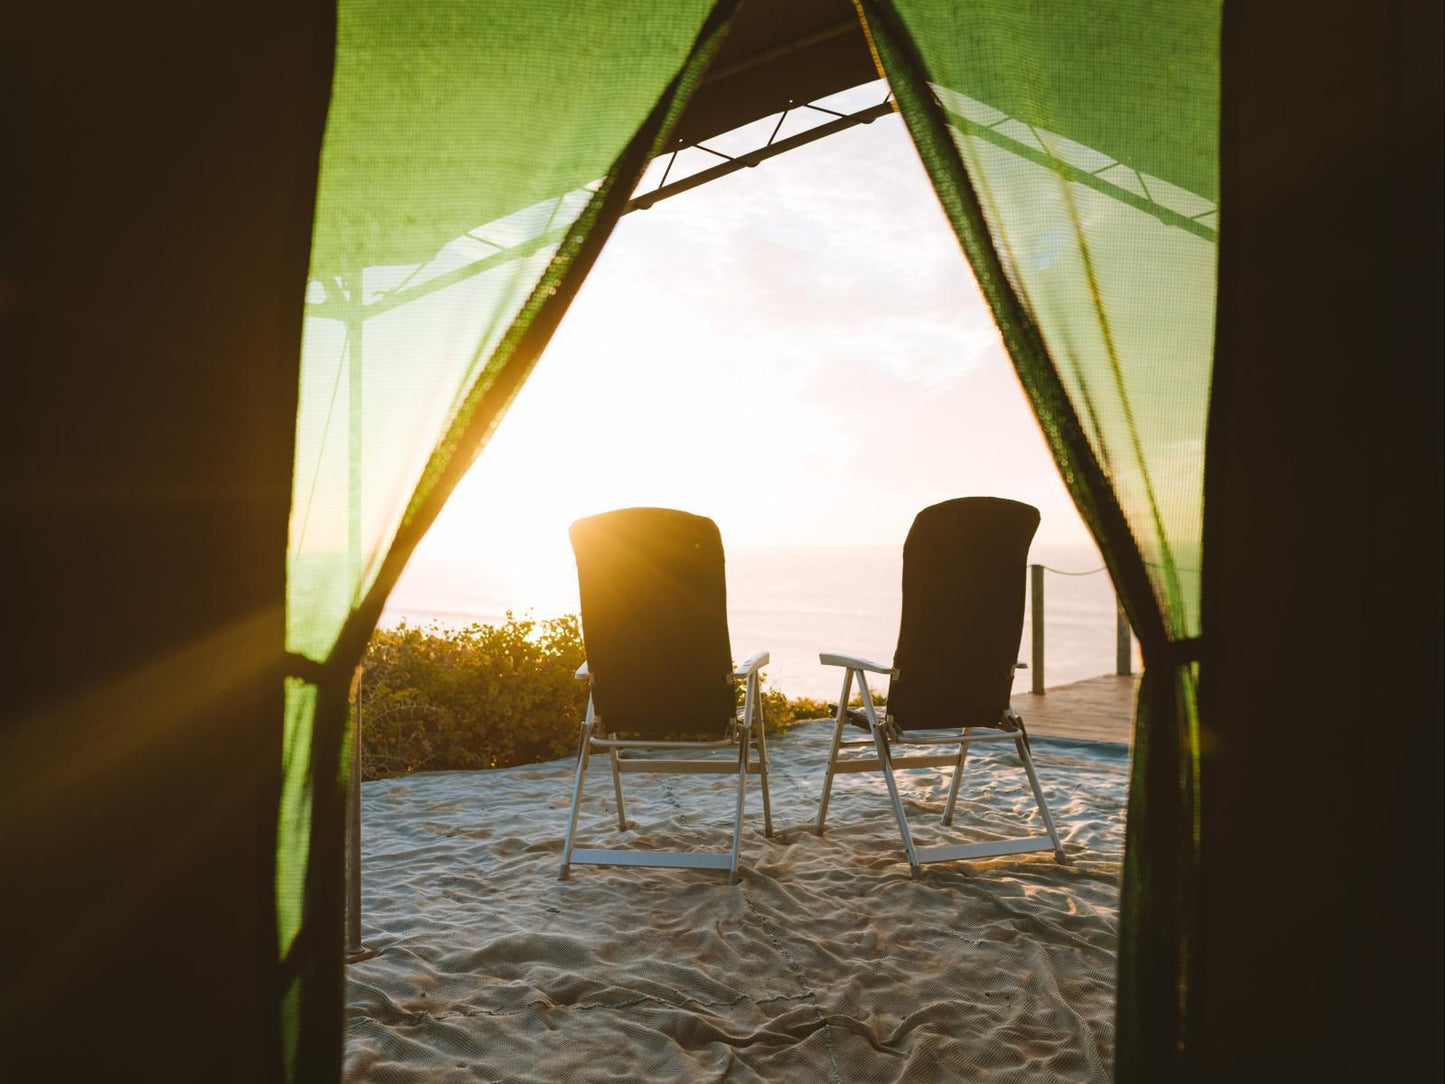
1096 709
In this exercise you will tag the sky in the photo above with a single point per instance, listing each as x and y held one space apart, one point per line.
797 350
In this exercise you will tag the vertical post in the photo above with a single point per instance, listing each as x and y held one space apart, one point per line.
354 327
354 947
1123 644
1036 621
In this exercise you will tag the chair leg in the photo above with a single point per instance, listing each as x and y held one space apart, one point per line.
617 786
582 755
833 753
881 743
763 768
1023 749
886 760
957 778
742 794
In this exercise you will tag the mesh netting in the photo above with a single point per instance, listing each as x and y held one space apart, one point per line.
475 158
462 144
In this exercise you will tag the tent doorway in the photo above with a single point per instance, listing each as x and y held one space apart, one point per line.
768 349
425 326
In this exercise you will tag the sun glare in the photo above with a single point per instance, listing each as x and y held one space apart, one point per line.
797 351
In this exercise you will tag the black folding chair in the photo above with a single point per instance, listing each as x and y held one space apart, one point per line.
659 669
952 674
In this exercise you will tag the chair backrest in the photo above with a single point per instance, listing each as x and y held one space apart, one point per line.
964 566
654 621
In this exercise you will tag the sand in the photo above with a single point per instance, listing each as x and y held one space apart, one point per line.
825 963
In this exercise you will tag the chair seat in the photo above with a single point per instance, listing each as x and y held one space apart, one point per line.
859 718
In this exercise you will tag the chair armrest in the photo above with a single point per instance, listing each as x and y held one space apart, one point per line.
752 664
583 674
854 663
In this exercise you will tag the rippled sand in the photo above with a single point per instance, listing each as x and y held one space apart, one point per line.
825 963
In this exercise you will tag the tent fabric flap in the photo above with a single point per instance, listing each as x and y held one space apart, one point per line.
1076 156
476 157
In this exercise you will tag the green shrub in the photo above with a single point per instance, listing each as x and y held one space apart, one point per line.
488 696
483 696
780 712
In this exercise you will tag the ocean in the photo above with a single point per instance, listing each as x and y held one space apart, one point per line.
794 603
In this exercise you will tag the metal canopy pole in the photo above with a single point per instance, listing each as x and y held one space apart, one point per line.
355 325
355 950
840 123
332 309
1123 643
1036 627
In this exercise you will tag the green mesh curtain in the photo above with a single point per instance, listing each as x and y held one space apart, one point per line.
476 156
1075 149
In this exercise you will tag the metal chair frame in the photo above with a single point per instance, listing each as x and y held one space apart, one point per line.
883 735
621 752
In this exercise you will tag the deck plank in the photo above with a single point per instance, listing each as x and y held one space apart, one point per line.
1095 709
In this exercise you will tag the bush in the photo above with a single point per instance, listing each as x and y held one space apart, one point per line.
483 696
488 696
780 712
